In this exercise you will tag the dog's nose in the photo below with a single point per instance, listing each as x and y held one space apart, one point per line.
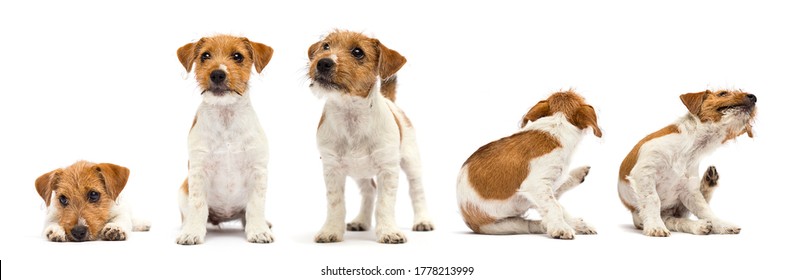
79 232
325 64
752 98
217 76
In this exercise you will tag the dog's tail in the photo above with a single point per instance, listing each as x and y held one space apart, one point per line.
388 88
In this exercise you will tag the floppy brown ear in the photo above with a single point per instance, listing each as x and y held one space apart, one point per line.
261 54
390 61
114 177
45 184
313 49
586 117
693 101
187 55
541 109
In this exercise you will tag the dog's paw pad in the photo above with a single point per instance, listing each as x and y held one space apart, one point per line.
711 177
580 173
327 237
261 237
703 227
189 239
112 232
424 226
656 231
357 226
55 234
392 238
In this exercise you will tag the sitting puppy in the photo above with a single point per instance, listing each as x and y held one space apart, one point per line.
658 180
505 178
87 205
363 134
227 148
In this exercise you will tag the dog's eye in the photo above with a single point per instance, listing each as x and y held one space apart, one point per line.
357 53
237 57
722 94
205 56
93 196
64 201
326 46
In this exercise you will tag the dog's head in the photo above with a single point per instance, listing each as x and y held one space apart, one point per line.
223 63
733 108
350 63
570 104
83 194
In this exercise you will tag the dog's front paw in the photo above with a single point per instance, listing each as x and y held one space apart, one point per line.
702 227
423 226
329 235
582 227
113 232
261 236
580 173
187 237
391 237
656 231
357 226
55 233
561 231
725 228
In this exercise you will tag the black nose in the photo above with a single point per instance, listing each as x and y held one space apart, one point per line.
325 64
217 76
752 98
78 232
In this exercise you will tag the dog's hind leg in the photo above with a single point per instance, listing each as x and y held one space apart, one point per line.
363 221
411 165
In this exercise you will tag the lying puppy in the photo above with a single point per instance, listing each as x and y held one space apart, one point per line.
227 147
505 178
658 180
88 206
363 134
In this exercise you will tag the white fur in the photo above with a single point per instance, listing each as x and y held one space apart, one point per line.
228 168
667 173
540 189
120 218
360 138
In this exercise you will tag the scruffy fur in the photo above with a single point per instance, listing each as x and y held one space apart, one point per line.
364 135
227 147
83 203
659 179
507 177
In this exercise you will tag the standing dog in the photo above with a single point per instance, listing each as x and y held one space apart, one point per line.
658 180
505 178
88 206
227 178
363 134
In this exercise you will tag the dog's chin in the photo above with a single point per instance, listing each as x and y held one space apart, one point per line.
323 86
737 110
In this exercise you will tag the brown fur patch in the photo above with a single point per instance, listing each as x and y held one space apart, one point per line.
497 169
184 187
569 103
707 105
321 120
399 125
633 155
74 184
221 49
474 217
356 75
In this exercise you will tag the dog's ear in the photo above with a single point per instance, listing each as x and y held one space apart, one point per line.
261 54
114 178
585 117
46 183
541 109
313 49
187 55
693 101
389 61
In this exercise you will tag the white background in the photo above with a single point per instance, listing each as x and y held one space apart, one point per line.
101 82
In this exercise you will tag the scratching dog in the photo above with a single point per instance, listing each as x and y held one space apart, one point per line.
228 153
658 180
502 180
364 135
87 205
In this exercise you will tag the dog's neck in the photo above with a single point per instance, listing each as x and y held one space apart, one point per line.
355 115
228 99
705 137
